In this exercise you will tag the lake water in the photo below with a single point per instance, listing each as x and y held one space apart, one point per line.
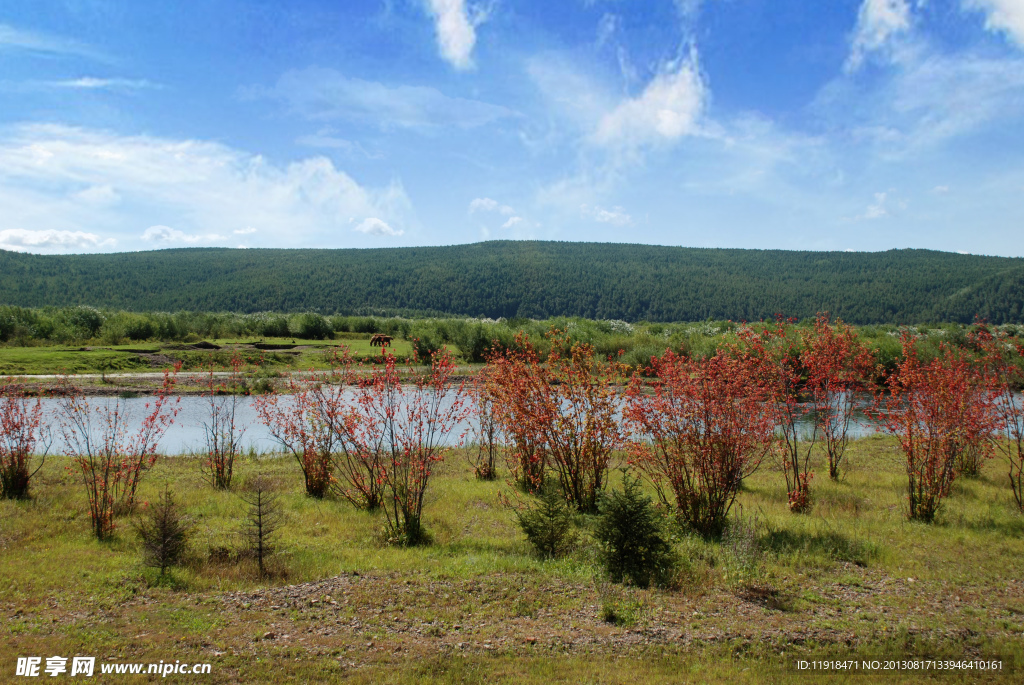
186 434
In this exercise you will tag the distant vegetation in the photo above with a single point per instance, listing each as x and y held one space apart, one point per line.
471 340
530 280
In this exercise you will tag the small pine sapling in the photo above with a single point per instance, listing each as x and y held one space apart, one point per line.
262 519
547 524
164 532
631 532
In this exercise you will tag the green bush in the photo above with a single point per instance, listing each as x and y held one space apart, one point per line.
425 347
7 325
640 357
313 327
635 547
366 324
267 325
117 327
164 533
548 523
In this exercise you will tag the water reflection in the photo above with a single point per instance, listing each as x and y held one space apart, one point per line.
186 434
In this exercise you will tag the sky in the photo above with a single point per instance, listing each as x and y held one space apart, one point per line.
783 124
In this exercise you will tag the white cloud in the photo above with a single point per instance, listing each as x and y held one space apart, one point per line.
941 190
12 38
567 194
876 210
669 107
568 85
326 94
482 204
616 216
90 83
455 23
607 27
486 204
488 208
57 178
99 196
882 207
166 234
878 23
248 230
373 226
1005 16
23 240
326 138
688 8
925 100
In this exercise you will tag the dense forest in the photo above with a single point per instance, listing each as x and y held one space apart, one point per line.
533 280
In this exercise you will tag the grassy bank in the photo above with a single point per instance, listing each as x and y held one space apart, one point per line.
274 354
851 579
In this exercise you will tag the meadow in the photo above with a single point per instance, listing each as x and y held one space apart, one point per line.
852 578
804 568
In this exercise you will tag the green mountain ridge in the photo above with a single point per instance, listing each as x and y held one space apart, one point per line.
532 279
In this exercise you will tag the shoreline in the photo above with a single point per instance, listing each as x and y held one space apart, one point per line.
187 384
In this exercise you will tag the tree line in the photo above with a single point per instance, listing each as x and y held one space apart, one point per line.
532 279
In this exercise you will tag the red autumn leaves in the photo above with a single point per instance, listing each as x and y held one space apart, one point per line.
696 430
807 373
706 426
559 414
700 426
110 455
372 436
21 433
948 414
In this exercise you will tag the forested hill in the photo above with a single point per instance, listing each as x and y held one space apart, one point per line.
532 279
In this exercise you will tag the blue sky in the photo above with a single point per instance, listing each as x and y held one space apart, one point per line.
789 124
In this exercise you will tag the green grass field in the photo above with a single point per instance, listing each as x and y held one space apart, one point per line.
852 579
288 353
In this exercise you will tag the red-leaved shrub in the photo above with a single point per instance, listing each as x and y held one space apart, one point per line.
22 431
936 410
704 428
561 414
111 457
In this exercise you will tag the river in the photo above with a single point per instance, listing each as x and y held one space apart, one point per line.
186 434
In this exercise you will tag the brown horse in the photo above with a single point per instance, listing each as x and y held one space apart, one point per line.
380 340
